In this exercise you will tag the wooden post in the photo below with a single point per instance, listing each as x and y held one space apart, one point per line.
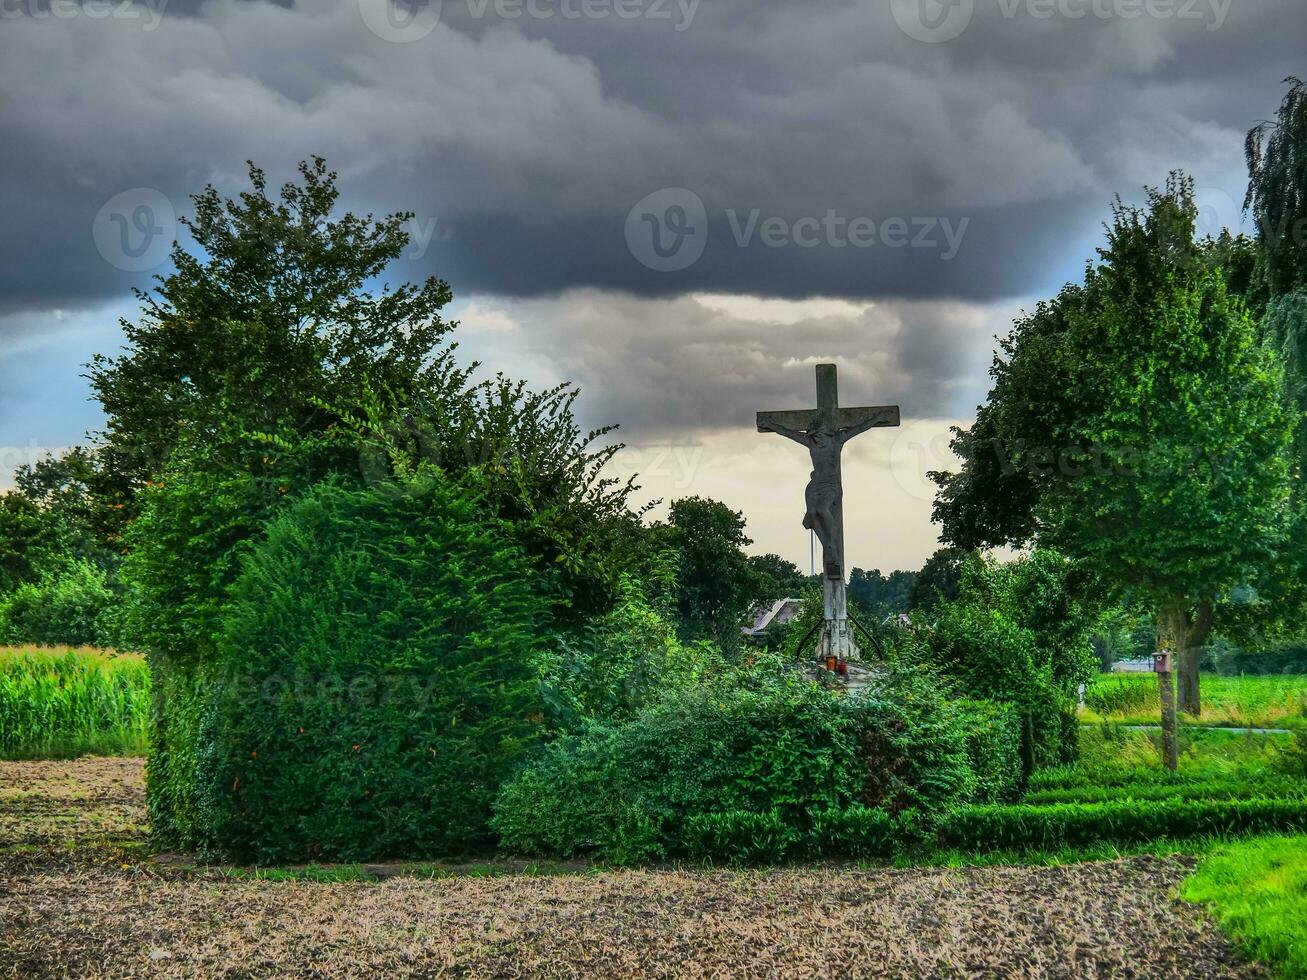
1166 691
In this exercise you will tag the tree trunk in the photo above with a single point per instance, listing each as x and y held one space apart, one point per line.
1186 634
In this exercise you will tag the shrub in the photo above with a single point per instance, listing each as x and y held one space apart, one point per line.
985 653
742 836
67 606
915 745
621 662
627 793
373 684
742 769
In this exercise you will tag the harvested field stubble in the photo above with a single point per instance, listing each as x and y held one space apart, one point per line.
63 913
1106 919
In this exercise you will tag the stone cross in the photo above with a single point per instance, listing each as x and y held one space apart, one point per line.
824 431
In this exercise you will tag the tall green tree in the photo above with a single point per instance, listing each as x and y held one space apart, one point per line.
1277 191
716 585
1139 426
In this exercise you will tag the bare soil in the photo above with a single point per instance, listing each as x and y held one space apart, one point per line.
78 897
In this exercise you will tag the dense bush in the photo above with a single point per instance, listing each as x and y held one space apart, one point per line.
915 745
72 605
626 793
739 770
373 684
993 731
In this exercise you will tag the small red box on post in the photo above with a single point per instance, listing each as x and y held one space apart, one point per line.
1162 662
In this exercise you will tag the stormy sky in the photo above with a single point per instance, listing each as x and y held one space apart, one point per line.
682 205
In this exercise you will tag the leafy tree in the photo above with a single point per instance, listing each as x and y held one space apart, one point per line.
939 579
881 595
52 517
1277 190
717 585
26 533
1135 424
777 577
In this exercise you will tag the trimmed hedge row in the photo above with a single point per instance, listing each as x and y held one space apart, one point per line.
1120 822
1221 788
863 833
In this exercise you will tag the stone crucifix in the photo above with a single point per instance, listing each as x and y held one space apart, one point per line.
824 431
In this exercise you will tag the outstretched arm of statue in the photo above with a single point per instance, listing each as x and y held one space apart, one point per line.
861 427
782 430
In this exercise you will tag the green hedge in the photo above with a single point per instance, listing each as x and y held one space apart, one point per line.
178 698
1120 822
1222 788
862 833
374 682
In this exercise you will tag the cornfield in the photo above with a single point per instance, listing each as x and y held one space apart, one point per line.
56 703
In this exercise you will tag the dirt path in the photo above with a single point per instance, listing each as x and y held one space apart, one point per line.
61 913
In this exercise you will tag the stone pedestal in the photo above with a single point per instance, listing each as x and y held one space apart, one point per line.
836 637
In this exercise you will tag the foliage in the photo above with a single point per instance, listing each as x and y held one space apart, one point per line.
717 586
56 703
993 739
264 365
617 664
777 577
939 579
916 746
373 685
1016 633
750 770
1257 891
1277 190
269 315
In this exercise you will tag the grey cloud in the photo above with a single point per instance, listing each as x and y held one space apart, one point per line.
699 363
531 139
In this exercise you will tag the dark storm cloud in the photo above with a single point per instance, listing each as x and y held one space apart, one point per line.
528 139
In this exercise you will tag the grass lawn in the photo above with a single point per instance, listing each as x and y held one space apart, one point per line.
1257 891
1253 701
